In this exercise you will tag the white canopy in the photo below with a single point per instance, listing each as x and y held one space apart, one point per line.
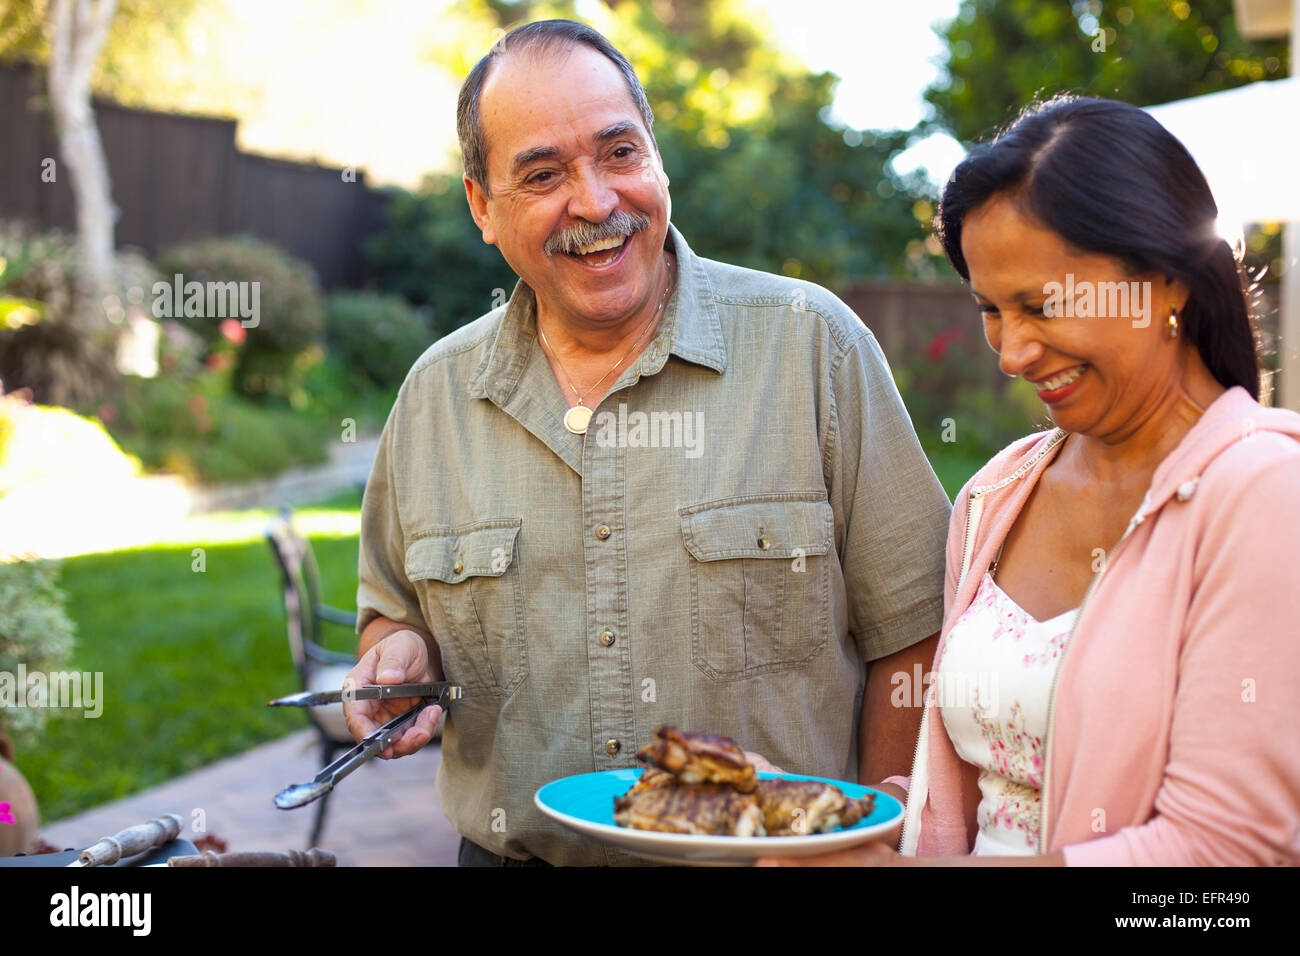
1247 142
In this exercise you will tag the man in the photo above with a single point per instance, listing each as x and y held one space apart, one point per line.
649 489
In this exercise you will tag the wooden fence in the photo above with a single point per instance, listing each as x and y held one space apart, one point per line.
176 178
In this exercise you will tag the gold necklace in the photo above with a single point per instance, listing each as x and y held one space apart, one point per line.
578 417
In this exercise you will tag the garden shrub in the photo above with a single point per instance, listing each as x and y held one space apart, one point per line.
35 631
41 444
65 358
197 429
376 336
431 253
290 307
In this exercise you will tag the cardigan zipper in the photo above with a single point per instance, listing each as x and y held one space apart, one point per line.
1136 520
1057 437
972 498
915 784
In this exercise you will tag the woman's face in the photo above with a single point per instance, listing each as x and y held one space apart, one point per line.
1089 336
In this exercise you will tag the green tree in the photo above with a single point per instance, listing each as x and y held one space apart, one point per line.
131 52
758 177
1005 53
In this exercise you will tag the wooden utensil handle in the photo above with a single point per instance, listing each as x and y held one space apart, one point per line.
313 857
132 840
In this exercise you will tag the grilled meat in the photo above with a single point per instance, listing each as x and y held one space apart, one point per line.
703 784
650 778
800 807
700 758
702 809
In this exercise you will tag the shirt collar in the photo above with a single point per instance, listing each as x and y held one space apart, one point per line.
691 330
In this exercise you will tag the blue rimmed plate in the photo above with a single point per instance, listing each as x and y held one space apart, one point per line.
585 803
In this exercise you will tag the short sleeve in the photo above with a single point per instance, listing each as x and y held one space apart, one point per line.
383 589
894 509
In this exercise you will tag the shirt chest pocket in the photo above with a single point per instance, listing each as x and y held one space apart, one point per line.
760 583
472 591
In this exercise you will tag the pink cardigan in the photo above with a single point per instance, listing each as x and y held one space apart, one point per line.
1174 733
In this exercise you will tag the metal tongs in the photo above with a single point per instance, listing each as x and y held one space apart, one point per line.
441 693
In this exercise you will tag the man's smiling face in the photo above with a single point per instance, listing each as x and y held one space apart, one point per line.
566 150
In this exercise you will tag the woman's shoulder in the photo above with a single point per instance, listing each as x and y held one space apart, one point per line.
1012 458
1244 441
1257 459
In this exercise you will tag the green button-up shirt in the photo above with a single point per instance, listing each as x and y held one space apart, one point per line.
748 520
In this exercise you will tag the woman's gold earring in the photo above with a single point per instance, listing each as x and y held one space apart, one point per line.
1173 323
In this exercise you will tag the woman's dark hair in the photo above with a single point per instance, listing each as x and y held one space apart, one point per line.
1109 179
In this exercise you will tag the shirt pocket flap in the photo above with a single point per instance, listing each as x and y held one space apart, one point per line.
453 557
757 528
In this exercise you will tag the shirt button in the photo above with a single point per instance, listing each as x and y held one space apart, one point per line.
612 747
764 542
606 638
458 567
602 532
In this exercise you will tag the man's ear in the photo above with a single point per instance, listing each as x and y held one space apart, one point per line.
660 158
478 208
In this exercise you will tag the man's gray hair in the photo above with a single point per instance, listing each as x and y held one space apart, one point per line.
541 36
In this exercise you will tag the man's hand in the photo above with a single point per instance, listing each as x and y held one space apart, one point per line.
761 763
400 658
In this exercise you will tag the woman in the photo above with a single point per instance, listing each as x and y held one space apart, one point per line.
1120 654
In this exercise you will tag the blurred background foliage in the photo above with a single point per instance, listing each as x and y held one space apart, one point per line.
1004 53
761 176
36 633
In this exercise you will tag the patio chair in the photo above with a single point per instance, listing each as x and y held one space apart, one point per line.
318 669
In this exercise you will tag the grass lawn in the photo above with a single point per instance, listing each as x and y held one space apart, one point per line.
189 659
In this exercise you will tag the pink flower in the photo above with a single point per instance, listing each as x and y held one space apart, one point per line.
939 343
5 815
233 331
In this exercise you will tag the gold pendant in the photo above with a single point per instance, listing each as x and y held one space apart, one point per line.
577 418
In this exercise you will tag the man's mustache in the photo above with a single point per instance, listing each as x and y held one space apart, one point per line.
573 238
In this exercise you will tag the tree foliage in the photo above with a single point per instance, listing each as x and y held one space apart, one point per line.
138 31
758 178
1005 53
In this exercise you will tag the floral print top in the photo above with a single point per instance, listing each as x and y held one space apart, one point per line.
994 681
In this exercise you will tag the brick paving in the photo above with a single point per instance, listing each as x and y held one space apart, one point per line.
384 814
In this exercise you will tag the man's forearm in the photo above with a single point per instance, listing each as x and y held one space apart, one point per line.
381 627
887 734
